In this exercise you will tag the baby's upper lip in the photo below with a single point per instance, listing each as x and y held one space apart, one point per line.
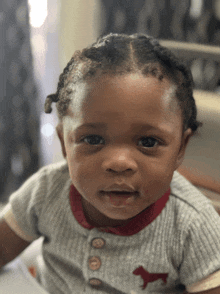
120 187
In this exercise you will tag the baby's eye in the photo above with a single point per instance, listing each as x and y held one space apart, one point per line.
93 140
148 142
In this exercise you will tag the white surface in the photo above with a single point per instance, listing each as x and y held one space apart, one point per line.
16 279
30 255
203 151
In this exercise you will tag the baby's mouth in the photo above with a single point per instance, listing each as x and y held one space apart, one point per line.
120 198
120 193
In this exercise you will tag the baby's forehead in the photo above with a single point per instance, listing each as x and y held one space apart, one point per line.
92 105
79 93
169 97
85 91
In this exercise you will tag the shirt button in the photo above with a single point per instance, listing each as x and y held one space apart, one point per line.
94 263
98 243
95 282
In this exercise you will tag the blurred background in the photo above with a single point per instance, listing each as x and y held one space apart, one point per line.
37 39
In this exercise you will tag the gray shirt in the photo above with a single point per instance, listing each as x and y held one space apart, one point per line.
179 247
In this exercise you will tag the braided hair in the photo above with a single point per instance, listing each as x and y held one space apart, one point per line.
118 54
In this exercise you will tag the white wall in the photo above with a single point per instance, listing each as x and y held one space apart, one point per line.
78 28
63 27
203 152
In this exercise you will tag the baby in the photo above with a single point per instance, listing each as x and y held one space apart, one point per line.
116 216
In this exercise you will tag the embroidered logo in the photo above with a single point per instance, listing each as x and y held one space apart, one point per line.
149 277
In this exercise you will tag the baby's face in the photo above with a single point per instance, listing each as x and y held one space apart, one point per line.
123 143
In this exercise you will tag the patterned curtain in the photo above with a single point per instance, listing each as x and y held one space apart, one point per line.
18 110
195 21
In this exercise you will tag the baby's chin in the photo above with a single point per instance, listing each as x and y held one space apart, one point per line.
112 221
119 214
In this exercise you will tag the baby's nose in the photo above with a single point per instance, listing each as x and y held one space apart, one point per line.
120 161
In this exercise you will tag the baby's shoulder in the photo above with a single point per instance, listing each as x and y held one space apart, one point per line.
53 172
48 179
60 167
187 198
53 176
189 210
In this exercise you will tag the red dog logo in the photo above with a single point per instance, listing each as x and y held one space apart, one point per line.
147 277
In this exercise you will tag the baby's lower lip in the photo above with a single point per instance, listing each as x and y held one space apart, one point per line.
120 199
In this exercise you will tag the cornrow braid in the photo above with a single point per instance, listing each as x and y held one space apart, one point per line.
55 97
117 54
50 98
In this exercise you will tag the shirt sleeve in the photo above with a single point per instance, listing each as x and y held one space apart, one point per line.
200 268
208 283
12 223
25 205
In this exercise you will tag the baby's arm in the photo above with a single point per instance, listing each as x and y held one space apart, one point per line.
212 291
200 180
11 245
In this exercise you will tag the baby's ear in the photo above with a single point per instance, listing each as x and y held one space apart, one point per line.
59 130
185 140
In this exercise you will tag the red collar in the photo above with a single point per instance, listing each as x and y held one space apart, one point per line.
136 224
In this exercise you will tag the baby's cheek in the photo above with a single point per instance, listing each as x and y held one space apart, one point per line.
81 174
157 184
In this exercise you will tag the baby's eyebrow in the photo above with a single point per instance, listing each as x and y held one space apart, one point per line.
148 127
92 126
137 127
